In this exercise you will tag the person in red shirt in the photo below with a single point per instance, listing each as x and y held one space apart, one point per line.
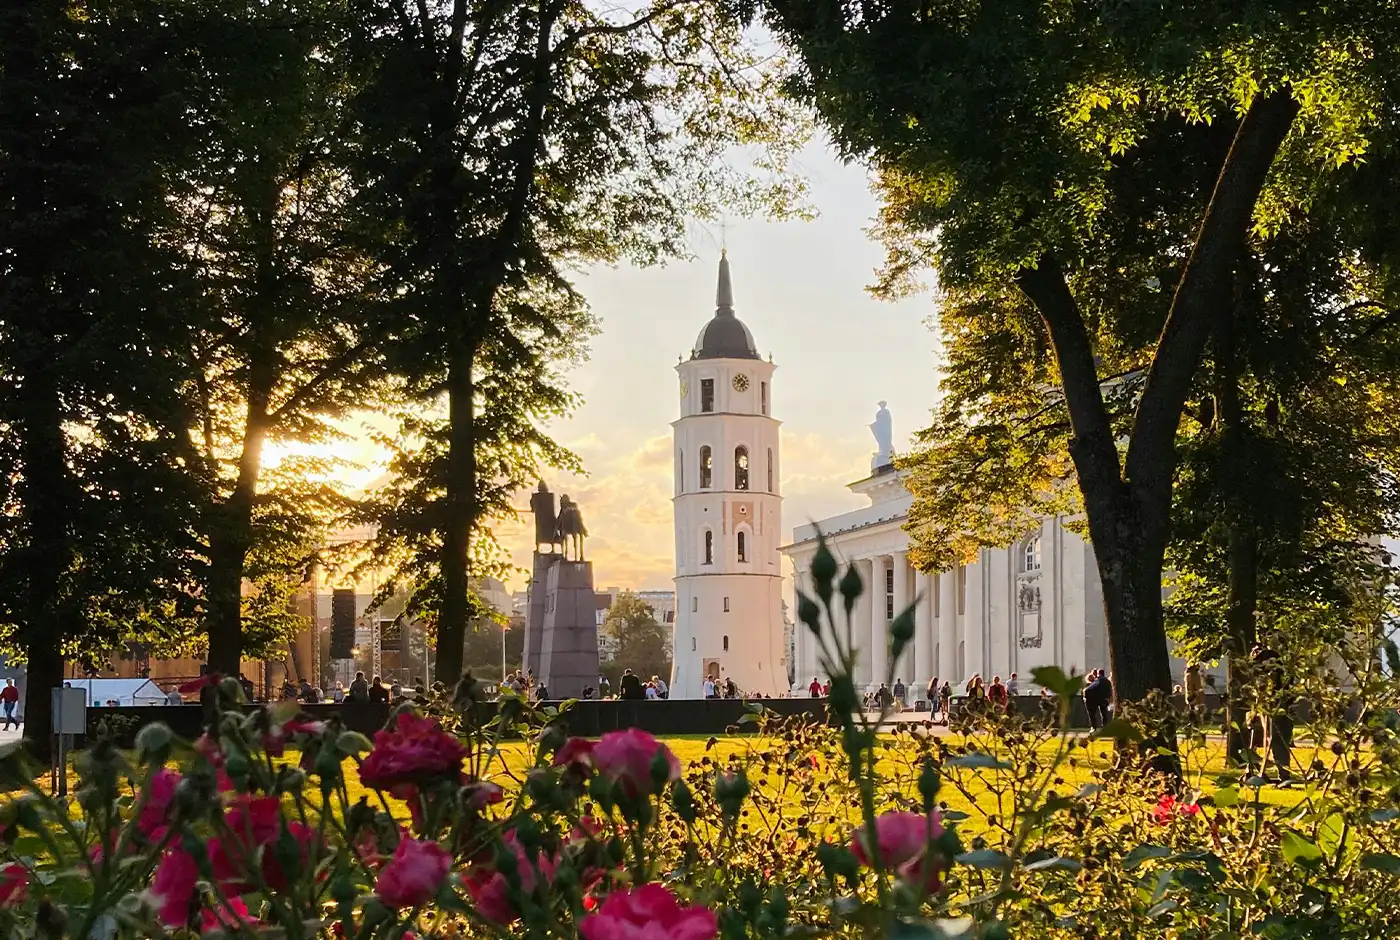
9 698
996 693
815 689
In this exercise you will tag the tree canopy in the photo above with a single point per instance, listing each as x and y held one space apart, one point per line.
1085 180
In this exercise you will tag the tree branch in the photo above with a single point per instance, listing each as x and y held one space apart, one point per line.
1208 271
1095 454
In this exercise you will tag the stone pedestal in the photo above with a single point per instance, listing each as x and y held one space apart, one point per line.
561 636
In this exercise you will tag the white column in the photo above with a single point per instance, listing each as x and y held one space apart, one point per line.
879 623
904 667
859 624
947 627
925 631
801 637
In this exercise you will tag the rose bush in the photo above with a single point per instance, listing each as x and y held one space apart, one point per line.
1009 828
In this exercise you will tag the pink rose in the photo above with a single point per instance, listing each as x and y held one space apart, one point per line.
625 758
14 884
415 749
414 874
160 801
172 891
255 822
194 685
490 891
904 840
230 917
576 754
650 912
1169 806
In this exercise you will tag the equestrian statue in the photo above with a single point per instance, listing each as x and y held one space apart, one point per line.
570 529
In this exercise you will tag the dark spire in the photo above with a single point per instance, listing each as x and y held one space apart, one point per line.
724 293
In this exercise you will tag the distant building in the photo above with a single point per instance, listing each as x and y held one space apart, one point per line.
662 603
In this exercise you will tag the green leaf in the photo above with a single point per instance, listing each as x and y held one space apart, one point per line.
1297 849
1142 853
915 930
1226 797
1055 864
1053 678
977 761
1381 861
955 928
1161 907
984 858
1119 730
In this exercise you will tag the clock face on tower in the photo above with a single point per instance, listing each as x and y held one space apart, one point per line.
741 382
685 389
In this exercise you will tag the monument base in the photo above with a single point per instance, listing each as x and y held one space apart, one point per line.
563 626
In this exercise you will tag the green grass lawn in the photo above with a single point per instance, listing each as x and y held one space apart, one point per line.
780 796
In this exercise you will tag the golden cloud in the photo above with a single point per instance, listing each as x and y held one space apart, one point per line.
626 501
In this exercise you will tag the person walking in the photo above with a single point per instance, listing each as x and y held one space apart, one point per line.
9 699
1013 686
900 692
815 689
1269 670
359 689
945 699
931 695
631 687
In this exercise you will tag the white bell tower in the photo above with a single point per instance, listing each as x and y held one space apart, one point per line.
729 616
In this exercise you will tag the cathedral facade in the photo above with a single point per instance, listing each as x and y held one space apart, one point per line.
728 513
1038 602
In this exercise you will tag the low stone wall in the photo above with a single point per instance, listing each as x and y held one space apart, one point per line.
592 718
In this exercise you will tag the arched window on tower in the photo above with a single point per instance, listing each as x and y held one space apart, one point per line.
763 396
706 467
770 469
709 547
742 546
726 643
741 467
1030 554
680 471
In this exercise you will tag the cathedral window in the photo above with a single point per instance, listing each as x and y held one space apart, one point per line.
741 467
680 471
707 395
770 469
763 396
707 467
692 644
1030 554
694 604
726 642
726 610
743 547
889 593
709 547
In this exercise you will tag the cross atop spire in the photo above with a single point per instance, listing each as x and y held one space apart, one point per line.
724 293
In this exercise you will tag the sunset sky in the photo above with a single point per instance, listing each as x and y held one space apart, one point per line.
800 287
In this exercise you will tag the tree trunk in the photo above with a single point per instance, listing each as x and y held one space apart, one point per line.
459 517
1242 545
231 537
1128 503
48 553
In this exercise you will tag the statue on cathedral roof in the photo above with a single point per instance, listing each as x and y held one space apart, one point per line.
883 429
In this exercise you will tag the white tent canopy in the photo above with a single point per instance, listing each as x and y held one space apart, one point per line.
123 691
